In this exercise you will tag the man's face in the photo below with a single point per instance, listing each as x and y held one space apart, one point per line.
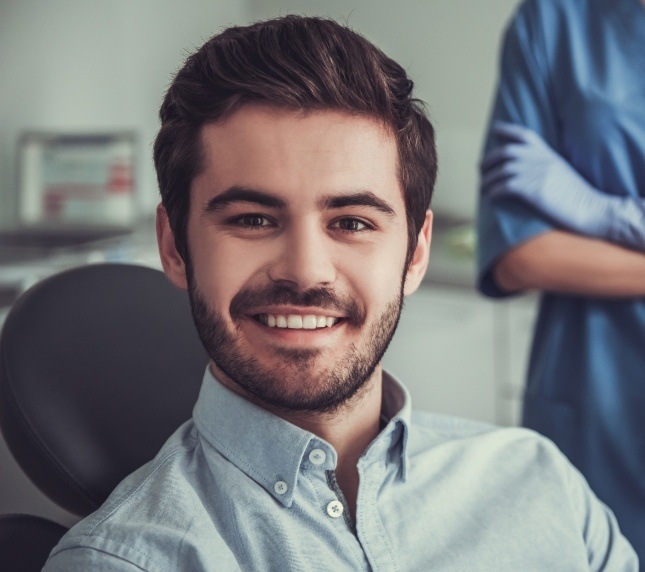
297 240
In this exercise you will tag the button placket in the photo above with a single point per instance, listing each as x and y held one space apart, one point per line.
335 509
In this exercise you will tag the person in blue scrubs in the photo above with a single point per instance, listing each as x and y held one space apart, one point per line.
562 211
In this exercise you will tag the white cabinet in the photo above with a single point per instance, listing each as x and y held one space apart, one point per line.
461 354
514 325
443 351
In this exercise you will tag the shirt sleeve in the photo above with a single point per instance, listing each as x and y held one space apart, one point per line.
524 98
85 558
607 548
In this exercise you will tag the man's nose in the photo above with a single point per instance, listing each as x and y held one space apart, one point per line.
305 258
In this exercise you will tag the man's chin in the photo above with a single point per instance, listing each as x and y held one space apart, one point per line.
293 388
303 357
289 401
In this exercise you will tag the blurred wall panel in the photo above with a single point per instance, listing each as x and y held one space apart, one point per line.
86 66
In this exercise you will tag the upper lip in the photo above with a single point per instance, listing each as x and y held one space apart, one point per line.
295 311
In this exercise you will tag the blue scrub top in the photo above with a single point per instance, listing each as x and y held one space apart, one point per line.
574 72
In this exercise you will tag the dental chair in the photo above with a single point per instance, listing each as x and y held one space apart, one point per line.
98 366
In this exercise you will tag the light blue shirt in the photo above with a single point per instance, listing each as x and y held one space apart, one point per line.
237 488
573 71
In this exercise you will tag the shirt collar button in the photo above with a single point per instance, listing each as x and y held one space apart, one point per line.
317 456
280 487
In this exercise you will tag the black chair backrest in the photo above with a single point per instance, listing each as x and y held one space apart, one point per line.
98 366
26 541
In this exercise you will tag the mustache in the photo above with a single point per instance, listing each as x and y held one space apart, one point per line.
282 294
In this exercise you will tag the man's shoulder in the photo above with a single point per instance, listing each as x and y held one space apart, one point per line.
515 481
449 425
438 428
431 433
154 518
513 461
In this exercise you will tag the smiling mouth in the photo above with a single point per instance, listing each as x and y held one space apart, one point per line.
296 321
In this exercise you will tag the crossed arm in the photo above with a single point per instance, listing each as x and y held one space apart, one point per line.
601 249
561 261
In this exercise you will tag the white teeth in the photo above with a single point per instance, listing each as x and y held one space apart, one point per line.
296 321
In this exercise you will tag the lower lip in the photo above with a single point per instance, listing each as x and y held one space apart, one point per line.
295 336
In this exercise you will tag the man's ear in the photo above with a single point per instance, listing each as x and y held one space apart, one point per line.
172 262
419 263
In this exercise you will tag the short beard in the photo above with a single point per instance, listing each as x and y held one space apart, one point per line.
278 386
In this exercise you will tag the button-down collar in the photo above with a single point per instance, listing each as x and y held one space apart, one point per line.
272 451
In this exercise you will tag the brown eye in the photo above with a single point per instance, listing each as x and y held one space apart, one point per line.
351 225
255 221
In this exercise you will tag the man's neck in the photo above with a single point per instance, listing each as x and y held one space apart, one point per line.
352 427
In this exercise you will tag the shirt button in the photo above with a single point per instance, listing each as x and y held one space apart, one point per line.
280 487
335 509
317 456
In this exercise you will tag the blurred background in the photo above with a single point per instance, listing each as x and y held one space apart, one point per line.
81 77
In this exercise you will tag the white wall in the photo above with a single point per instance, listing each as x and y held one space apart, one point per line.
79 65
450 49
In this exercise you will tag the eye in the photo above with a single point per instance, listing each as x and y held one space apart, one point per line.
252 221
351 225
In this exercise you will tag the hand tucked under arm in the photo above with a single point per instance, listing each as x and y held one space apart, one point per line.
525 167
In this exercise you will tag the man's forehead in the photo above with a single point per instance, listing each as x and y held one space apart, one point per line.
265 123
274 150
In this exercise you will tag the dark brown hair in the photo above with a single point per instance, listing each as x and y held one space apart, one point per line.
297 63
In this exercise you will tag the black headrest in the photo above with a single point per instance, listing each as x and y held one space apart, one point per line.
98 366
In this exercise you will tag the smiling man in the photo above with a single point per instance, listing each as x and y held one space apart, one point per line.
296 172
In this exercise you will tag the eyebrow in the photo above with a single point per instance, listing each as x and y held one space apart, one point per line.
237 194
244 195
364 199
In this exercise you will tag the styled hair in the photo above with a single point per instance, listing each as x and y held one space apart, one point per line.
299 63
